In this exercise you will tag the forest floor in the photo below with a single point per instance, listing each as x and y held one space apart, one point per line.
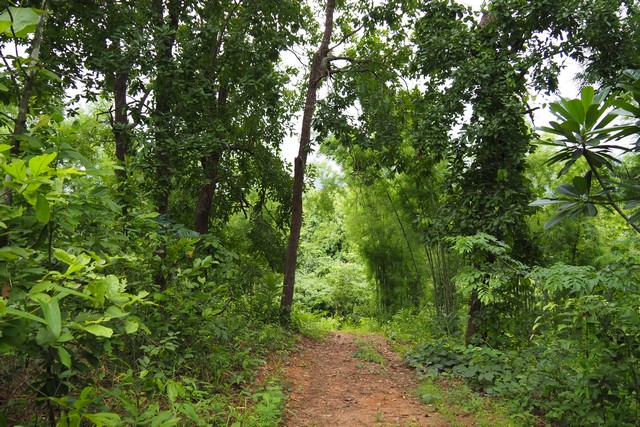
351 380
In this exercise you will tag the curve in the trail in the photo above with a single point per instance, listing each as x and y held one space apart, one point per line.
331 387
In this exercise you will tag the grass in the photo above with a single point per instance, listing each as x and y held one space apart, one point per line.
459 404
368 352
313 325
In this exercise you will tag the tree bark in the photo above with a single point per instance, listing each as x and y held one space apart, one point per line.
316 74
475 307
205 199
120 126
210 165
164 58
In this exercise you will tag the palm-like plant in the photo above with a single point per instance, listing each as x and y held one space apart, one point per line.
586 127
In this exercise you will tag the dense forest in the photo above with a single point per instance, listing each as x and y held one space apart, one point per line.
155 248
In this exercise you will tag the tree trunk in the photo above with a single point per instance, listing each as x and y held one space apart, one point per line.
475 306
163 92
205 199
210 165
315 76
120 126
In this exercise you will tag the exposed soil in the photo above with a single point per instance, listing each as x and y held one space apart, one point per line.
329 386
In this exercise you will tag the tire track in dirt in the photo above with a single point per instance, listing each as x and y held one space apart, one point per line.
331 387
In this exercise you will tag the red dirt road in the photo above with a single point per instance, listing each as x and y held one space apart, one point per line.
331 387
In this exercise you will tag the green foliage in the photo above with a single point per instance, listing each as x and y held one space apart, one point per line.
263 407
65 311
331 277
411 328
497 281
580 360
19 21
587 131
367 351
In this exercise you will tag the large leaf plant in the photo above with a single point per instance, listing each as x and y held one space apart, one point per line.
593 128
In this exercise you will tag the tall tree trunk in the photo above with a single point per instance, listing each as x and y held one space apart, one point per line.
164 62
475 307
205 199
447 283
210 165
315 76
121 123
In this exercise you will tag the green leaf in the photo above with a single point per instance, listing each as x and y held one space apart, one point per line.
628 107
4 25
52 316
583 183
43 286
80 262
576 110
43 209
25 20
13 252
98 290
114 312
131 326
50 74
63 256
587 96
25 315
589 210
556 219
99 330
544 202
65 357
593 114
66 291
17 169
568 190
104 419
559 110
40 164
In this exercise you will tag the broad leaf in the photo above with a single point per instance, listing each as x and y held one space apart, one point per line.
114 312
43 209
40 164
587 96
576 110
64 356
568 190
131 326
13 252
99 330
589 210
544 202
25 20
583 183
104 419
17 169
556 219
52 316
25 315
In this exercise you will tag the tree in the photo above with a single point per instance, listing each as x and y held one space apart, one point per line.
489 65
316 73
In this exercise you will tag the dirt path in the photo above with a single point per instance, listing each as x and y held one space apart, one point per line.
332 387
